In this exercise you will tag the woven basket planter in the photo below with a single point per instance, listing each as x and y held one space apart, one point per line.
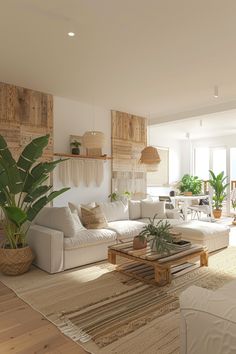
15 261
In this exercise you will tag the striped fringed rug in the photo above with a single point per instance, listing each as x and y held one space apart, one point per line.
107 320
109 313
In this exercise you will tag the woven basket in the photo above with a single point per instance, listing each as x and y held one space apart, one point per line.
15 261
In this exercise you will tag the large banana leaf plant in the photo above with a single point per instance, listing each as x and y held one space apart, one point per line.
23 189
219 186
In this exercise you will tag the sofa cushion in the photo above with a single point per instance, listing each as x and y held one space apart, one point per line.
93 218
134 209
115 210
126 229
86 238
77 207
151 208
59 218
199 230
172 222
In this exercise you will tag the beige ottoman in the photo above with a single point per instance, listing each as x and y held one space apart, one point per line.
212 235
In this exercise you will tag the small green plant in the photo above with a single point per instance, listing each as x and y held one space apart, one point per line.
190 183
114 196
159 235
219 186
75 143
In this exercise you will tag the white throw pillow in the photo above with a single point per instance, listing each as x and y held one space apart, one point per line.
77 207
149 209
60 219
134 209
114 211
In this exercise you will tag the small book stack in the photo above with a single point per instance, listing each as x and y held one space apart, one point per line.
182 245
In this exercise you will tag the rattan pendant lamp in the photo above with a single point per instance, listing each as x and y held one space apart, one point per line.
93 139
150 157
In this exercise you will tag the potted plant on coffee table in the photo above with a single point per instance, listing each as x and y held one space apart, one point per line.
23 193
219 186
159 235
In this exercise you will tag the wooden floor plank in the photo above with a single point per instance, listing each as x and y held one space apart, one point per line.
25 331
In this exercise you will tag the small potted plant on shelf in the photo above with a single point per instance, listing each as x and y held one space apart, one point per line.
23 194
158 234
219 186
75 147
190 185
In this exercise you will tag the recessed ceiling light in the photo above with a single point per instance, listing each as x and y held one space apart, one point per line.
71 34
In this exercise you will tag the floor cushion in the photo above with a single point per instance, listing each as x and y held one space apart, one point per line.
212 235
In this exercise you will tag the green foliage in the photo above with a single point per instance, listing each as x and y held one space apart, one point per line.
159 235
75 143
22 190
190 184
219 185
116 196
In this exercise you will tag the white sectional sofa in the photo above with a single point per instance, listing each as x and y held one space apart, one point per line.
208 320
60 241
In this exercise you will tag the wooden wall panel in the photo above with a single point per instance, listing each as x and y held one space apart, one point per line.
129 137
25 114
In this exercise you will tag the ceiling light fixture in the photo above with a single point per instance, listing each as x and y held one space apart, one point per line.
71 34
216 91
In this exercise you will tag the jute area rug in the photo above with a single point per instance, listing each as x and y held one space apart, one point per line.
109 313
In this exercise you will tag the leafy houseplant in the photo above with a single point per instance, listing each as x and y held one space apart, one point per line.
116 196
23 194
234 207
219 186
159 236
75 147
190 185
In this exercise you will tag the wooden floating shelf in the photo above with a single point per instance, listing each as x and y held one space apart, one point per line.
83 156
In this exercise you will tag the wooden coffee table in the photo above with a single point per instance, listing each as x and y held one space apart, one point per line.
147 265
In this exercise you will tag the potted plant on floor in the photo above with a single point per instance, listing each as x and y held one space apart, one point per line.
159 235
23 194
190 185
219 186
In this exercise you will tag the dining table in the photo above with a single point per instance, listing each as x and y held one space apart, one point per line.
187 201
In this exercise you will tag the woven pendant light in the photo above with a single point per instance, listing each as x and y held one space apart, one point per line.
151 158
93 139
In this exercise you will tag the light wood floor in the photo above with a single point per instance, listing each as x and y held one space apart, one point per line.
25 331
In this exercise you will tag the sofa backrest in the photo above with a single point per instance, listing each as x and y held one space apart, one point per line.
114 211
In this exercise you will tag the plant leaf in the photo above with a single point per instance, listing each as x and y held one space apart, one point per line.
16 215
40 203
30 154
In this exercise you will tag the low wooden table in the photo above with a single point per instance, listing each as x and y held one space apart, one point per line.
147 265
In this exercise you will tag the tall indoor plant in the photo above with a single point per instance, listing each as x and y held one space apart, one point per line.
219 186
23 193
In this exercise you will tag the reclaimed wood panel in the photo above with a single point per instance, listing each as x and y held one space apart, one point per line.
128 138
24 115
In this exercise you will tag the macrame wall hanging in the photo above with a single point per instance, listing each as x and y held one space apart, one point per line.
76 172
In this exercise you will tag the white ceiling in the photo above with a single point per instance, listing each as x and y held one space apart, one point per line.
160 57
205 126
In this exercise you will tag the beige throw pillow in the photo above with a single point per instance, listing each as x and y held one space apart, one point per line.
93 218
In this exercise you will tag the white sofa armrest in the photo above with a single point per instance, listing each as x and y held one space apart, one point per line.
208 322
173 214
47 245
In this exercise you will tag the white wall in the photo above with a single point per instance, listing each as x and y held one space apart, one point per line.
73 117
175 159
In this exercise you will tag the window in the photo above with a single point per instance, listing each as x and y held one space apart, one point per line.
219 160
201 163
161 176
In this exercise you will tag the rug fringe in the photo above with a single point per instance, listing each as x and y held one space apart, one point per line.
72 331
